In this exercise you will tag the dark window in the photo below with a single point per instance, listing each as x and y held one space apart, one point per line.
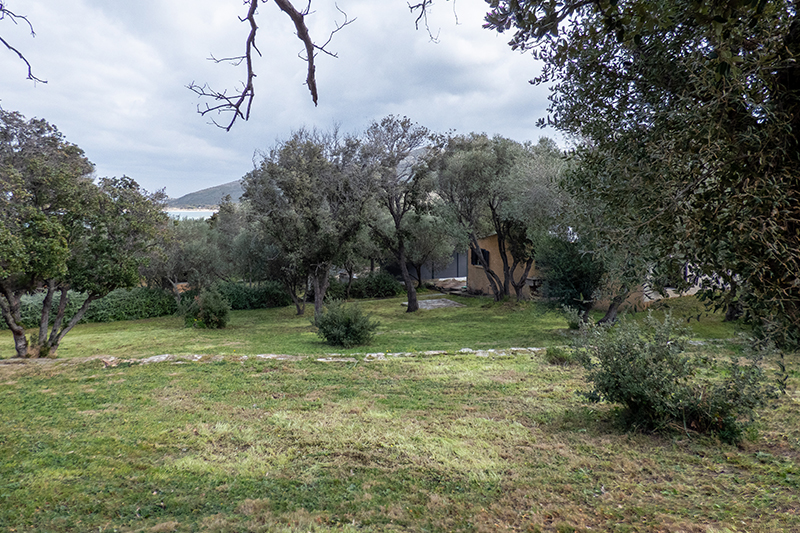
475 260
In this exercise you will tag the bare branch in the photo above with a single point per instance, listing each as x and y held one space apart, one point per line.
13 17
302 33
243 98
339 27
423 8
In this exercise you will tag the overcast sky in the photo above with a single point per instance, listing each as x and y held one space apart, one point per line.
117 71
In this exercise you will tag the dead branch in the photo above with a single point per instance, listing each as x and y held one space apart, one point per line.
13 17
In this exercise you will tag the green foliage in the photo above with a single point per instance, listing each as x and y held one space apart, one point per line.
263 295
64 232
573 316
120 304
377 284
131 304
209 309
571 276
689 114
344 325
645 367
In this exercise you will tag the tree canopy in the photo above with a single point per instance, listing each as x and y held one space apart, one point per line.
59 230
309 194
687 113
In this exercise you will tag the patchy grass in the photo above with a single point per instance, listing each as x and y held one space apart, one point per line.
440 443
482 324
424 443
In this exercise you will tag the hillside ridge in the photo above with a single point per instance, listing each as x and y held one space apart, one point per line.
208 198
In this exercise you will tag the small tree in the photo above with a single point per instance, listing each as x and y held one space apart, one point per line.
572 275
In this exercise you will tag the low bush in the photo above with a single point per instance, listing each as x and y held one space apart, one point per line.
264 295
209 309
573 316
376 285
344 325
133 304
645 368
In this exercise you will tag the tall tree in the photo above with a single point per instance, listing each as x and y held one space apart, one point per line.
690 112
310 193
501 186
60 231
395 151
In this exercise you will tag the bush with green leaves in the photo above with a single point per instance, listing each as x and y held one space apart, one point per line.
378 284
209 309
264 295
646 368
572 275
344 325
574 317
120 304
132 304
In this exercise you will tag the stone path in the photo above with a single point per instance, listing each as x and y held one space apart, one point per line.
327 358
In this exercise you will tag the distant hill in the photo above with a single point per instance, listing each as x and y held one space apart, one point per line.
207 198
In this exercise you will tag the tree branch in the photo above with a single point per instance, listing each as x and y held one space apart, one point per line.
5 12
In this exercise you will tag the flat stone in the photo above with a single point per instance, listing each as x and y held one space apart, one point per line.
436 303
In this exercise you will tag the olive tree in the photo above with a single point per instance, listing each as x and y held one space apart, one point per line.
496 185
309 194
396 157
689 112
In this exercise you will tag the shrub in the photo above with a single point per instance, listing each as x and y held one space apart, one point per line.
571 276
120 304
573 316
209 309
265 295
344 325
132 304
646 369
376 285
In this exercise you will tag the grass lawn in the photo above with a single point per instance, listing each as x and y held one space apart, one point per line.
450 442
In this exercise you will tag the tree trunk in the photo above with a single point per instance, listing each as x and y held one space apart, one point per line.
611 315
349 283
507 272
299 304
418 268
519 286
46 303
321 281
494 280
413 305
49 347
10 309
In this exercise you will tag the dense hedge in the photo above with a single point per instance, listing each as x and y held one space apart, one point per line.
265 295
121 304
